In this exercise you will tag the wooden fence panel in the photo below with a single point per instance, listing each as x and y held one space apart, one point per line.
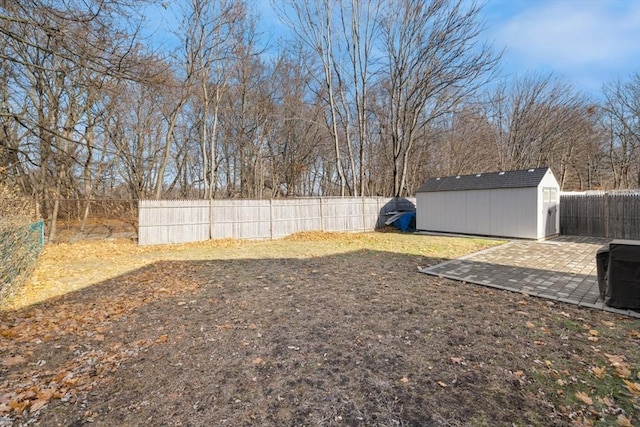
241 219
295 215
624 216
173 221
612 215
373 212
178 221
342 214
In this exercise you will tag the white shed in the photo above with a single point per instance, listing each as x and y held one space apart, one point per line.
521 204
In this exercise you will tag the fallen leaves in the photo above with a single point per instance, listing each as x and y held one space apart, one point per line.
38 404
13 361
32 399
607 402
598 372
623 369
623 421
584 398
30 385
593 334
614 359
633 387
224 327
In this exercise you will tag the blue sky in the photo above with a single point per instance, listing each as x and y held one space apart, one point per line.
589 42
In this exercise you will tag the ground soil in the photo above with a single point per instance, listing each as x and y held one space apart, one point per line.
356 337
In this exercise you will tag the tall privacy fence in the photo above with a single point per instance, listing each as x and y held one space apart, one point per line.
20 245
180 221
614 215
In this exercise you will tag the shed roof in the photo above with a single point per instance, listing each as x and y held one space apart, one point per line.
486 181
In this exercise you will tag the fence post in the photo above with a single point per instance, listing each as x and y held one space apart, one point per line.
321 215
210 219
271 219
364 217
606 214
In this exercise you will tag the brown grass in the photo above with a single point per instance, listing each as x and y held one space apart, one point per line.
68 267
317 330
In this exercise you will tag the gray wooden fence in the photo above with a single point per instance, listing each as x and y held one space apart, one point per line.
614 215
180 221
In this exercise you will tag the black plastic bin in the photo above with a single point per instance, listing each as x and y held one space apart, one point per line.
602 262
618 267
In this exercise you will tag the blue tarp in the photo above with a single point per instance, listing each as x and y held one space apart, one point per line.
406 221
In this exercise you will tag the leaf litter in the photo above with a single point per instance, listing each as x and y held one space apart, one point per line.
224 334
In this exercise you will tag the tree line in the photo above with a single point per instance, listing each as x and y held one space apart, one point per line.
362 97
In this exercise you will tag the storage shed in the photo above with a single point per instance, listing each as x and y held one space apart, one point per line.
521 204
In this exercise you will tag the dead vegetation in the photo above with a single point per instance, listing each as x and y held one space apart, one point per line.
311 330
19 240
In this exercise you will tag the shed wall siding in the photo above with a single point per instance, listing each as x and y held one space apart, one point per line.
478 211
510 212
455 214
431 211
514 212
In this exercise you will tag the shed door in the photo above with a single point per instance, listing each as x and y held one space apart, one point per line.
550 210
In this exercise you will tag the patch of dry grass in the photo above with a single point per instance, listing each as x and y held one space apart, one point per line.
67 267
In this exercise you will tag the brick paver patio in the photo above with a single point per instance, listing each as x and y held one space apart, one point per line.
561 269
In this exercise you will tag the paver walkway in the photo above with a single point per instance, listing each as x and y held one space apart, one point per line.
562 269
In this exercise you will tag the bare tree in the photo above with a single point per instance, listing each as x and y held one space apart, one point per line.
541 120
95 34
312 22
462 143
622 124
59 55
209 51
356 41
433 60
296 136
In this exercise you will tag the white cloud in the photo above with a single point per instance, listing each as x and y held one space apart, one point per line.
565 34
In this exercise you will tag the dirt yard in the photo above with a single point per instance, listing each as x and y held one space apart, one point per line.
317 330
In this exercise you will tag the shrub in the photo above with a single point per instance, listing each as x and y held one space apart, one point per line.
20 240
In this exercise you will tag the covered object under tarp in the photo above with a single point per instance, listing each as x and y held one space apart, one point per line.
403 221
618 266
